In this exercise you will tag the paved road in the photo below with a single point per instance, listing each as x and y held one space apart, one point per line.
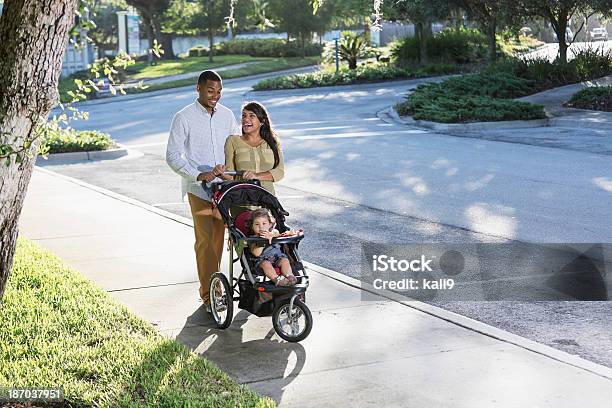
352 179
550 50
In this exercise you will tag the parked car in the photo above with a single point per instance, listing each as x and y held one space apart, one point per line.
598 33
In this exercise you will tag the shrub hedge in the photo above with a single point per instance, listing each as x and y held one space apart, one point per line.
452 46
374 72
60 140
486 96
594 98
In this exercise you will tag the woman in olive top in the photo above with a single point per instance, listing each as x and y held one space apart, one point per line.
257 151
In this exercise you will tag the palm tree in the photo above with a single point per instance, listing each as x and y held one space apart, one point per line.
351 45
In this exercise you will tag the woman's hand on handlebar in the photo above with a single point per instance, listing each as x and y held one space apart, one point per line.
249 175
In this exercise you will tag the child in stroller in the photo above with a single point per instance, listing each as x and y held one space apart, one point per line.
267 258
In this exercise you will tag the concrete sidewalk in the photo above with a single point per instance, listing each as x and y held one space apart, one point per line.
360 353
553 100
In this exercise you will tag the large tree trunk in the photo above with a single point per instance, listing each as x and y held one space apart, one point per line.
33 37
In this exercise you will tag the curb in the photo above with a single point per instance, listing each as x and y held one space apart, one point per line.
435 311
465 127
470 324
74 157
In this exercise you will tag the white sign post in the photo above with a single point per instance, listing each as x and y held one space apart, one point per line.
129 32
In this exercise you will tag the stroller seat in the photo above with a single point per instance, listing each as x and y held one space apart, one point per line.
241 223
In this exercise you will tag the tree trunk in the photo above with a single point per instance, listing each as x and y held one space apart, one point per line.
146 21
559 25
457 16
562 50
211 39
211 30
367 32
168 53
33 37
560 29
492 43
421 36
167 45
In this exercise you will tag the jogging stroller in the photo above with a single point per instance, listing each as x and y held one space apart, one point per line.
291 317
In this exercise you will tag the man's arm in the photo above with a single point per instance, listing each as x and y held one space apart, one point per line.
175 151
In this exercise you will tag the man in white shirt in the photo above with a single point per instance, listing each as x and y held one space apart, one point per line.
196 152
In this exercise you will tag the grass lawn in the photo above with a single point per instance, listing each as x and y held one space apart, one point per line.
262 67
59 329
142 69
196 65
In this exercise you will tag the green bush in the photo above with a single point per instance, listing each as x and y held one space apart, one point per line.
472 97
60 140
436 69
455 108
329 53
452 46
373 72
465 98
269 47
594 98
587 64
197 51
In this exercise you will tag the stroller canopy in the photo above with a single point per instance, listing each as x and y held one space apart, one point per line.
243 193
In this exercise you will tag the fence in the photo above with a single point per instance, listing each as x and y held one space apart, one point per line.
77 59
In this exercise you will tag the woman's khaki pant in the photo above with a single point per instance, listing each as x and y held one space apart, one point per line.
209 234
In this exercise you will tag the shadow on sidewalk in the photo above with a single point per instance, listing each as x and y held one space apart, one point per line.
244 358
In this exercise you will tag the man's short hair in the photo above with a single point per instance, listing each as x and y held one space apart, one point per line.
208 75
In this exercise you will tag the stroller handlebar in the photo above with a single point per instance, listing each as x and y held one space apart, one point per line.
210 184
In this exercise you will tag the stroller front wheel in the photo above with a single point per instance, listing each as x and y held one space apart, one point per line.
221 300
292 325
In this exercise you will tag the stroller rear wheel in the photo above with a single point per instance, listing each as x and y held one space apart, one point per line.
292 325
221 300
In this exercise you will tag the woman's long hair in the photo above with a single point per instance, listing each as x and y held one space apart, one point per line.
266 131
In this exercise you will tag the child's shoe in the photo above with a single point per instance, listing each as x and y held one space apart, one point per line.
282 281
